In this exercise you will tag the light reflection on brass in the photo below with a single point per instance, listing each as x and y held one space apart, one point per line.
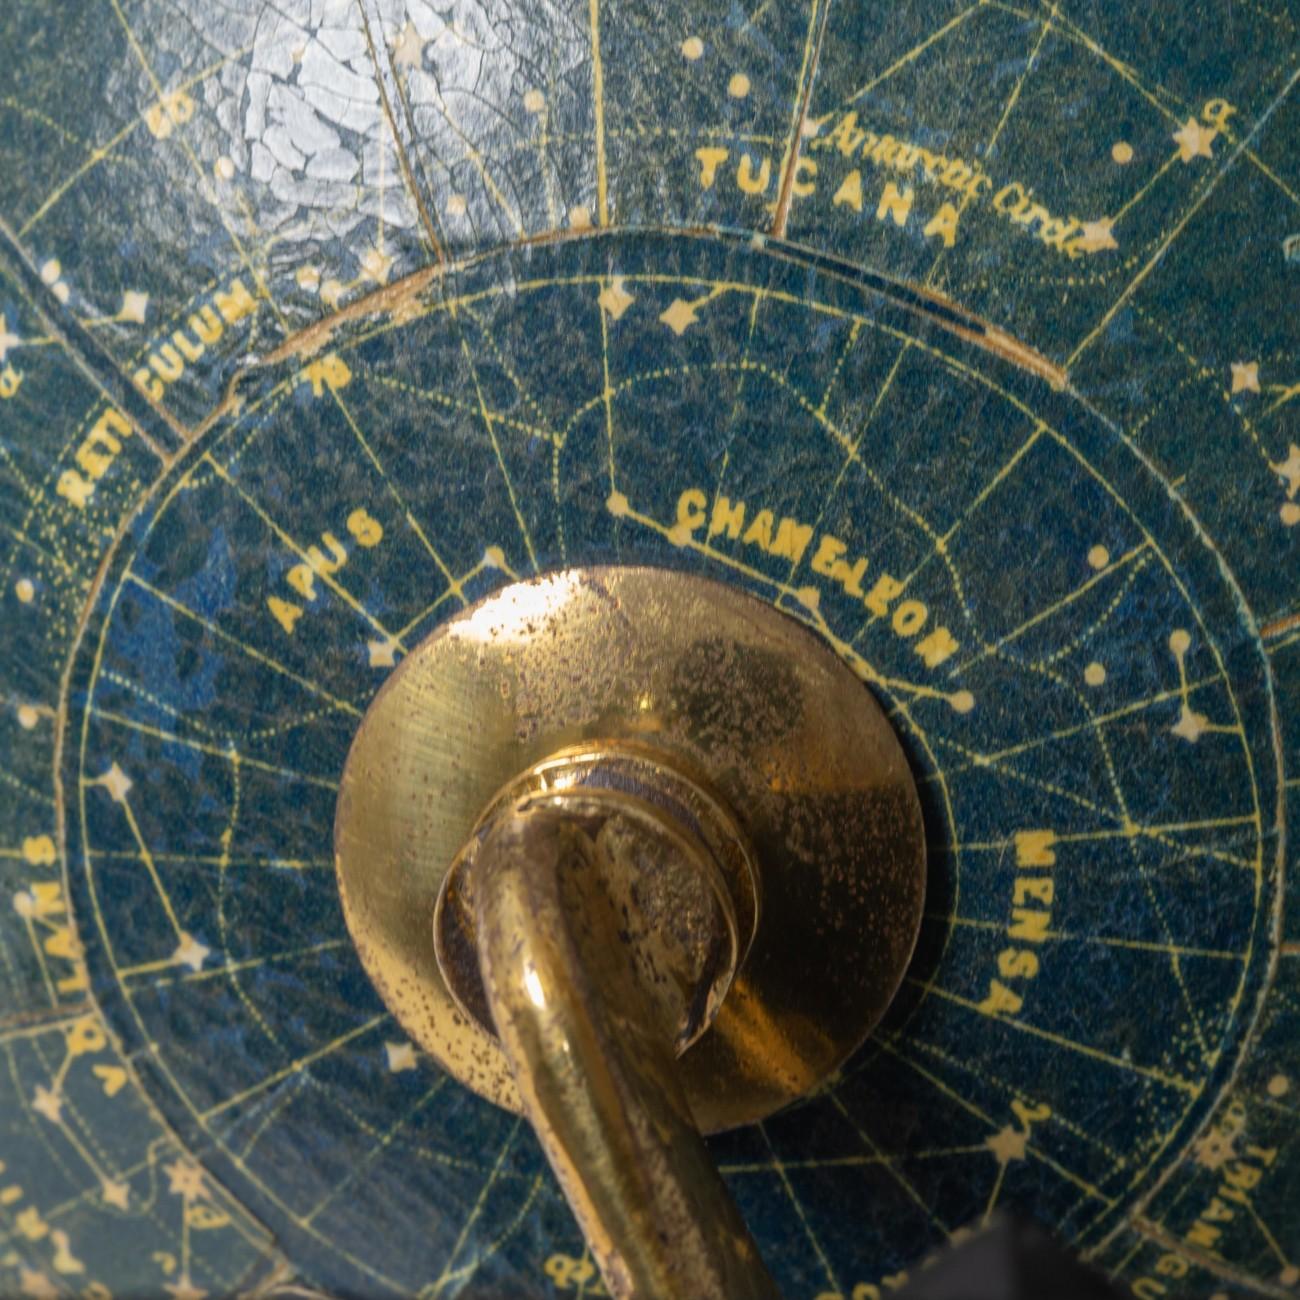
660 838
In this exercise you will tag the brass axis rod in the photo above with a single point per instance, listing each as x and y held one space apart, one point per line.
597 1072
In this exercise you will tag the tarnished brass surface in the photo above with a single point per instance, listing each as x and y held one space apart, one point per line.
598 924
753 708
689 877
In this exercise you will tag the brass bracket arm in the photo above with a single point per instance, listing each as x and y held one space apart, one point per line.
588 1005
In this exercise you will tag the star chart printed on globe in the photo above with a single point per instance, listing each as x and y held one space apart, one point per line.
966 332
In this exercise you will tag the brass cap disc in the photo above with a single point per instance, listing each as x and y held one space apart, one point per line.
752 705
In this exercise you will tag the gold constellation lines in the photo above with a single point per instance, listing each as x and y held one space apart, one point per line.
189 951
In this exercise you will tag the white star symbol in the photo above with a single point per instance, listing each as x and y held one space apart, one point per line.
409 50
116 1194
376 266
401 1056
1245 376
135 305
1194 140
1098 236
7 340
184 1179
680 316
117 783
48 1103
190 952
615 299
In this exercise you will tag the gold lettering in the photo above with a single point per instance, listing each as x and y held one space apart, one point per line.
96 454
850 191
207 325
727 518
1041 889
746 179
846 136
802 188
46 898
895 203
1029 926
944 224
60 943
112 1078
1001 1000
167 364
39 850
1147 1288
72 487
1216 112
1172 1266
690 516
1029 1115
329 372
909 618
235 303
191 351
303 580
791 540
367 530
829 549
1017 963
152 388
759 533
710 161
878 598
284 613
1034 848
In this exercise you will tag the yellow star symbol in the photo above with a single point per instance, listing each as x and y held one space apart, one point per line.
1098 236
48 1103
116 1194
1245 376
1194 140
680 316
409 50
1008 1144
615 299
184 1179
1190 725
1215 1149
